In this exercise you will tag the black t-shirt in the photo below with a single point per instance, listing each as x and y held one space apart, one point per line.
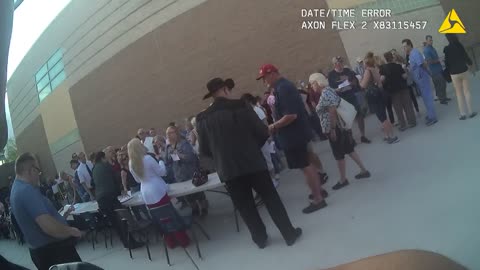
394 81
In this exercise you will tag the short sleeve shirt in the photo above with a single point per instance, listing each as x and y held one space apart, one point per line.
328 99
28 204
416 61
431 54
288 102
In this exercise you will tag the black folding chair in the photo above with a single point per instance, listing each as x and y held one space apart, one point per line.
133 227
169 221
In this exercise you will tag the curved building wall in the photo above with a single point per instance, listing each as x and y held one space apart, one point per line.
161 77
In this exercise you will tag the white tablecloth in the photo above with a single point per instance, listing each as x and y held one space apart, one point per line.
175 190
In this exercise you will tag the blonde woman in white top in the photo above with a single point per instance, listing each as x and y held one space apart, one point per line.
147 171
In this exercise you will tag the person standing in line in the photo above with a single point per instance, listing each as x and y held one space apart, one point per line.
232 135
336 77
457 63
421 76
359 68
341 140
410 83
376 97
85 174
107 193
181 156
435 66
82 189
294 132
388 99
51 241
251 100
394 80
146 139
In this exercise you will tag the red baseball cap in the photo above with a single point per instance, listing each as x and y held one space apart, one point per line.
265 69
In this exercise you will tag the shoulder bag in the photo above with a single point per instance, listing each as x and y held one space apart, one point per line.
346 114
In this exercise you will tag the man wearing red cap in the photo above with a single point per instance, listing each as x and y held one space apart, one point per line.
294 131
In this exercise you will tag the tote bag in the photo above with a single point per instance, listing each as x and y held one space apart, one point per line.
346 113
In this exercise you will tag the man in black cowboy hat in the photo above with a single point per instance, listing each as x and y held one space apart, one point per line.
230 133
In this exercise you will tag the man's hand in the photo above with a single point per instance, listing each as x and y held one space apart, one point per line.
333 135
70 210
75 232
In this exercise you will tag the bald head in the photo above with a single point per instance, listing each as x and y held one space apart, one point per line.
142 133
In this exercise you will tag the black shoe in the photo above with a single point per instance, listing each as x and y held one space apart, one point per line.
323 178
412 125
448 99
314 207
262 244
473 115
362 175
402 129
444 102
339 185
463 117
364 139
324 195
298 232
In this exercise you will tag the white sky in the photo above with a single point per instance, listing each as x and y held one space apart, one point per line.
29 21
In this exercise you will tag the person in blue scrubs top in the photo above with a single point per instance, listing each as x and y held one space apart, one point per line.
420 73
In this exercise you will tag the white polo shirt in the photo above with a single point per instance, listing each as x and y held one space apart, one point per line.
84 175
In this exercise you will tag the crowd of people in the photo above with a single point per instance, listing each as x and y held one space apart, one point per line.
246 142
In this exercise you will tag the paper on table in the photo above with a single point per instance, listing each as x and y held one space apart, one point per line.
175 157
344 84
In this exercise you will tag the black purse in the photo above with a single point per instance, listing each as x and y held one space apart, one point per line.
446 75
200 177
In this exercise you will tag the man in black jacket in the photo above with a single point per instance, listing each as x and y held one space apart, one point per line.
231 133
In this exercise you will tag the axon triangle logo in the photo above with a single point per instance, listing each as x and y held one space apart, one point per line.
452 24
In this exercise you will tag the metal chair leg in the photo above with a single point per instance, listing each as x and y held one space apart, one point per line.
148 248
105 236
194 236
166 252
202 230
94 235
129 247
236 219
111 237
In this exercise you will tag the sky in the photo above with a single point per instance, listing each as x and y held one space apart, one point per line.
30 19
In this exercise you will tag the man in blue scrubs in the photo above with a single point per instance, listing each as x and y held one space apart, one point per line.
421 75
436 69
